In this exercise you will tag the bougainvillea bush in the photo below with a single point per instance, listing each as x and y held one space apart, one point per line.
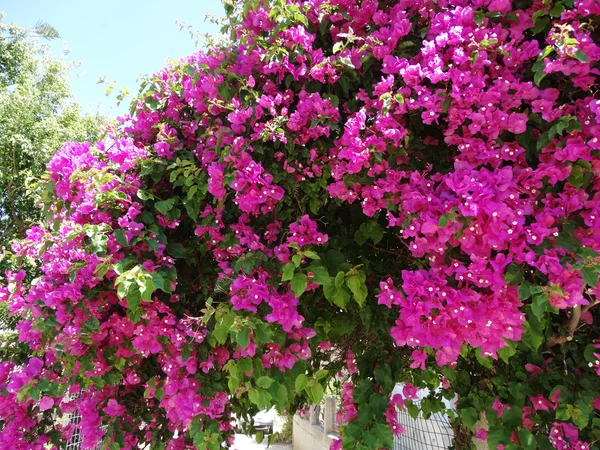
345 194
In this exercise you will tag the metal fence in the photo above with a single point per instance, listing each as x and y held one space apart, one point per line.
74 418
434 433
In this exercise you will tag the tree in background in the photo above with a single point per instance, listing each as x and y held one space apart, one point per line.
37 116
348 193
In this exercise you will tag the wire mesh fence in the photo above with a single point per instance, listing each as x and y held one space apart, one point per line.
434 433
74 418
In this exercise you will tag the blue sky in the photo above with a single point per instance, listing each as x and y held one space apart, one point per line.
116 39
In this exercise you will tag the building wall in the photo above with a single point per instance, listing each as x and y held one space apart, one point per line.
310 437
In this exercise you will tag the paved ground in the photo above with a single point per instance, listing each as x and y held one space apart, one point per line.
243 442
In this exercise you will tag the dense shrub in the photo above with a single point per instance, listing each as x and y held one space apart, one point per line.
348 192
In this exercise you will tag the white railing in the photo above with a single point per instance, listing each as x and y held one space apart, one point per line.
319 429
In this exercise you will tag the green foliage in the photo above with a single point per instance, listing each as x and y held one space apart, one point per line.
37 115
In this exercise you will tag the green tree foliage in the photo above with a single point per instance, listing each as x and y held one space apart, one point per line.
37 115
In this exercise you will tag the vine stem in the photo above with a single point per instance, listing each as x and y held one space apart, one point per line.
572 324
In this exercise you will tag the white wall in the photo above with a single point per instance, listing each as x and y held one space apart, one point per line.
310 437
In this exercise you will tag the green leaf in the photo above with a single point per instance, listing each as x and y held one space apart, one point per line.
363 391
265 382
543 141
540 24
369 439
413 410
517 393
243 337
537 79
383 377
469 416
159 281
301 382
146 286
547 50
342 326
282 397
446 104
563 412
358 288
194 427
581 414
50 322
540 305
133 297
337 296
98 243
310 254
176 250
260 436
315 393
576 177
532 337
479 17
590 275
288 272
299 284
588 353
192 206
321 374
524 291
497 435
297 259
320 275
186 352
315 205
254 396
512 417
152 243
365 414
120 238
485 361
165 206
557 10
334 259
445 219
586 253
339 279
222 327
91 325
567 241
385 435
369 230
506 352
581 56
513 274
